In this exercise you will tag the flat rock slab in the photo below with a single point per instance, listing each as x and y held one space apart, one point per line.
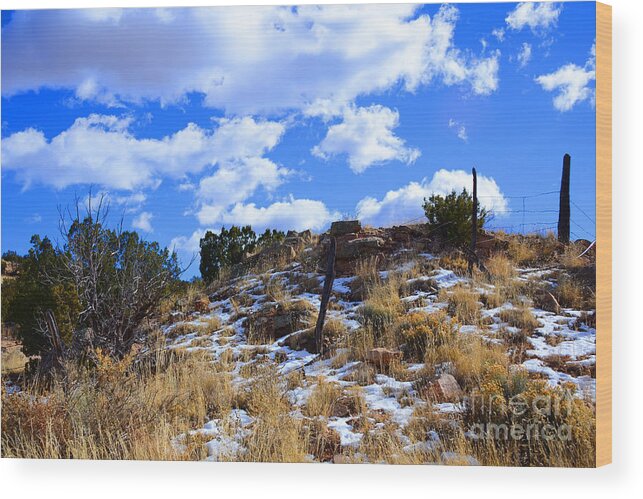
344 227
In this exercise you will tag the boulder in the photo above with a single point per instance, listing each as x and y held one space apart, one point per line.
445 389
344 227
359 248
383 357
276 320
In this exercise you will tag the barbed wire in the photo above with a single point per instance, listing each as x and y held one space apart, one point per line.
525 226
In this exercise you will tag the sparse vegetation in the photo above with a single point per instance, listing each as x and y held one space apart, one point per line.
463 304
521 317
237 373
418 332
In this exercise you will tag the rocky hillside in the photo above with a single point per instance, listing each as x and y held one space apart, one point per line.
419 359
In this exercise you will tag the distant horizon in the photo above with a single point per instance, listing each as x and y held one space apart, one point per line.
292 117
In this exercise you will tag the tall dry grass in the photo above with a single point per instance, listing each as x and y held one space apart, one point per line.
129 409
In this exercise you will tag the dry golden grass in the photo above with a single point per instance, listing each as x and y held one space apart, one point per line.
182 300
570 259
123 410
418 332
573 416
380 311
276 290
276 438
492 300
456 263
265 396
521 317
522 250
462 304
501 270
569 293
209 326
469 357
323 399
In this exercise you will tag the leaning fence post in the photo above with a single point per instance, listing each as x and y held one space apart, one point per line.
563 210
474 221
328 287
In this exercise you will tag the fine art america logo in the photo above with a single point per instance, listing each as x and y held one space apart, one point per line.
520 418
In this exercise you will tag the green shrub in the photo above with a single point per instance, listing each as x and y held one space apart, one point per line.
33 292
450 216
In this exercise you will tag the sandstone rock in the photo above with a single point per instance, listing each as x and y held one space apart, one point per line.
306 235
383 357
359 248
445 389
343 227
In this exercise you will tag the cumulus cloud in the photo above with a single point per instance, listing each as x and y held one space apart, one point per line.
240 59
524 56
460 129
296 214
366 137
234 182
405 204
126 203
189 244
538 16
101 150
143 221
572 83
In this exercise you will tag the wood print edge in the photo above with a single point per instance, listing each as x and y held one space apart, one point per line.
603 234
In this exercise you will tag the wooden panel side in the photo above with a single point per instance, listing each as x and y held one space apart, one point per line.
603 234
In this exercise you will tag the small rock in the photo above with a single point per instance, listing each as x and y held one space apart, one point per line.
445 389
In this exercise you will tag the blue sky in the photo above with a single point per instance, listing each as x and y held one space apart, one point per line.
292 117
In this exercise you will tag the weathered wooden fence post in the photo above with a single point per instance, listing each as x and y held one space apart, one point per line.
563 210
474 221
328 287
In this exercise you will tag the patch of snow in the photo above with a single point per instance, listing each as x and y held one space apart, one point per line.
347 437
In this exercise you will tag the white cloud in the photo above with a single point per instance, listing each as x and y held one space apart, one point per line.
188 244
538 16
366 136
234 182
499 33
128 203
524 56
241 59
296 214
101 150
460 129
143 221
572 83
405 204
